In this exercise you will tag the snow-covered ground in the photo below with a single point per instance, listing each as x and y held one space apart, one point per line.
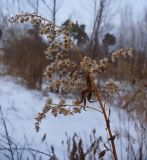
20 106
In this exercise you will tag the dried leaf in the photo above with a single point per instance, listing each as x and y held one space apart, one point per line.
83 95
43 138
89 96
112 138
101 154
84 101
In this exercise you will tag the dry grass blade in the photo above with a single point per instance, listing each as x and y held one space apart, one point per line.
7 135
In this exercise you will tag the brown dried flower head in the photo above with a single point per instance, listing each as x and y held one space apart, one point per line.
64 74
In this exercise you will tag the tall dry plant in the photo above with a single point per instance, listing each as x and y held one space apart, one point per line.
81 74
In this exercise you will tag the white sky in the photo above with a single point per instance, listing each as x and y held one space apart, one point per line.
81 10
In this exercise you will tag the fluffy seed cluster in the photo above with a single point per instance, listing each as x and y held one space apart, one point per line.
122 53
64 74
59 66
55 110
111 87
90 65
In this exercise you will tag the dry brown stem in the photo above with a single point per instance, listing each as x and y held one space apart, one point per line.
107 121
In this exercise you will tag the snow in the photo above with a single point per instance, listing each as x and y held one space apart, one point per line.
20 106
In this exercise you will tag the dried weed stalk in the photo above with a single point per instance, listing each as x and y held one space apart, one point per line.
71 75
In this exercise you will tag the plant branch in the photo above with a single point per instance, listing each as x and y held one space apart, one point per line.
71 105
107 121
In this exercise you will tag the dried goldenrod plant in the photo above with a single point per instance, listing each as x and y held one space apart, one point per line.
69 75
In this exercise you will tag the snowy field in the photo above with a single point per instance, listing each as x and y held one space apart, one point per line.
20 106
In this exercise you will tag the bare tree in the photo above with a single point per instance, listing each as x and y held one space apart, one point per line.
99 18
37 6
53 8
145 40
51 5
54 11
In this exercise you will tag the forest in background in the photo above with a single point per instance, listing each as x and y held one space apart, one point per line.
22 52
105 37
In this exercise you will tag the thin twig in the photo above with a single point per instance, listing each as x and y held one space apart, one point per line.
7 135
72 105
29 149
